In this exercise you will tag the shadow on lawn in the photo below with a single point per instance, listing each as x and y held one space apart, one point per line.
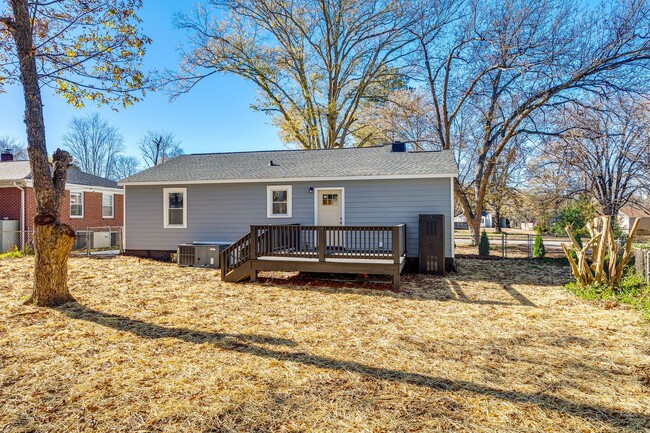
429 288
627 420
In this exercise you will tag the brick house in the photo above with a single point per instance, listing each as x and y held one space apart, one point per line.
91 203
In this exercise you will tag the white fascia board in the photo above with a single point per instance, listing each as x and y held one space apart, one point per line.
294 179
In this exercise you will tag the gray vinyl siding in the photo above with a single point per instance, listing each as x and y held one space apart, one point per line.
224 212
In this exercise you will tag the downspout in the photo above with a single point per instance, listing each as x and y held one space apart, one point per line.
22 216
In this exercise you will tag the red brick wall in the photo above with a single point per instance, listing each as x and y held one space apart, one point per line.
10 203
92 210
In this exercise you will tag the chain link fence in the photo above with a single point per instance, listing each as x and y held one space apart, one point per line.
510 245
89 241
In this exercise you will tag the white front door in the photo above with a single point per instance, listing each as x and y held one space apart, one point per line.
330 212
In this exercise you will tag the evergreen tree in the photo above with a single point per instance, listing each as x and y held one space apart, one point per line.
484 245
538 247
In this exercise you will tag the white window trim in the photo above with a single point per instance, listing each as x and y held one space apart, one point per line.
112 205
83 204
166 192
269 200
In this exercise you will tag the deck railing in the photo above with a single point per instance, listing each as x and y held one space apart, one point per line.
323 242
235 255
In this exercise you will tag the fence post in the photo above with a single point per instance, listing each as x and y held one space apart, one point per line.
530 247
503 245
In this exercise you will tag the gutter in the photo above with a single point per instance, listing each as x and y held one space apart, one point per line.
22 215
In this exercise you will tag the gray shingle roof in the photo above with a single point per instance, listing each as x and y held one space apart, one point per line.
20 170
294 164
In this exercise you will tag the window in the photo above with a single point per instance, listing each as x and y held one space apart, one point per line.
76 204
330 199
107 205
175 205
278 201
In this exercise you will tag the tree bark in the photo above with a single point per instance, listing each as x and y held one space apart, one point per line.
53 240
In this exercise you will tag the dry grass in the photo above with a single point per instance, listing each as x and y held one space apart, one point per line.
498 347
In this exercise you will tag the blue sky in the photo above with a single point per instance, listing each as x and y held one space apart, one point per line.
214 117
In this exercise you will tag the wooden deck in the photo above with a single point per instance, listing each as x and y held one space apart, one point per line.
336 249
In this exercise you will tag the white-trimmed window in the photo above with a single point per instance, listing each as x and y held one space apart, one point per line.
278 201
108 205
76 204
175 205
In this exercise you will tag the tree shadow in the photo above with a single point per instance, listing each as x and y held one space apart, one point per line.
631 421
519 297
430 288
74 310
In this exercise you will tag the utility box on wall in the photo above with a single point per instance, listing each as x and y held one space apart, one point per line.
432 244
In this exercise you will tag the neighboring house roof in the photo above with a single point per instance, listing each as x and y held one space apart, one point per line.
12 171
368 162
634 212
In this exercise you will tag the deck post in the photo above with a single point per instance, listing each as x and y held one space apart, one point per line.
396 278
322 240
397 250
253 244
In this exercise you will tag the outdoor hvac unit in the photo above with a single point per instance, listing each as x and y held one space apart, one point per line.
199 254
432 244
101 239
83 240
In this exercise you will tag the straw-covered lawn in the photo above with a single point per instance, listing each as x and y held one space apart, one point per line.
152 347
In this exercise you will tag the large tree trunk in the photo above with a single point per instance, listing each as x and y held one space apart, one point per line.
53 240
53 243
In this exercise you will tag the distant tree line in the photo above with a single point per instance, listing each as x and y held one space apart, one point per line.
98 148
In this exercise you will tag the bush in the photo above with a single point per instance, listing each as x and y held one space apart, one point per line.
538 248
484 245
632 290
575 214
14 252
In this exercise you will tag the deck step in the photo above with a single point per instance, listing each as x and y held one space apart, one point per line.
241 273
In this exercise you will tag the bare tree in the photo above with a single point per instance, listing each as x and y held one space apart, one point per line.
496 71
405 115
503 191
158 146
125 166
94 145
18 150
313 62
606 149
84 50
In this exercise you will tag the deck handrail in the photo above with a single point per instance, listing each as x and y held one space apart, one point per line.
322 242
235 255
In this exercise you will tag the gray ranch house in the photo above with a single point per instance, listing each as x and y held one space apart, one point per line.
354 210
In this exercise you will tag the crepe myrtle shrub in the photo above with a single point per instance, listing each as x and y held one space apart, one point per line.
484 245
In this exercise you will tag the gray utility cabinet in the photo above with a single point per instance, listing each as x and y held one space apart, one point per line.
432 244
200 254
9 235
